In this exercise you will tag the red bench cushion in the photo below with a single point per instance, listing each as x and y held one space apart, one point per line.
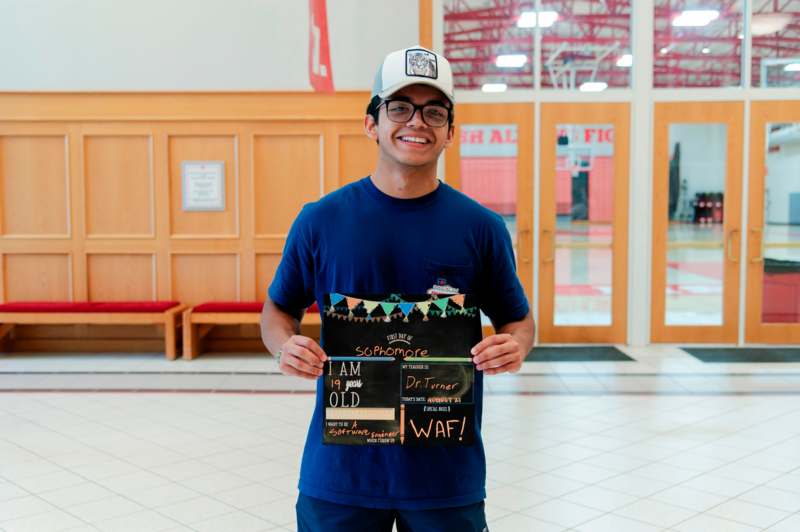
239 306
87 306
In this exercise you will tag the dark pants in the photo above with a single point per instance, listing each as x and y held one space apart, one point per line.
315 515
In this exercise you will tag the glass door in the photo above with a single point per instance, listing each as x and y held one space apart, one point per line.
773 258
697 185
583 218
492 162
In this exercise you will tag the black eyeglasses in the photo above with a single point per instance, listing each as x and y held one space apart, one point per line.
401 111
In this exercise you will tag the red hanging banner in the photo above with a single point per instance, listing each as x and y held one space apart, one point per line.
319 55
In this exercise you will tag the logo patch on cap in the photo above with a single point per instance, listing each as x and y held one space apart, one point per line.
421 63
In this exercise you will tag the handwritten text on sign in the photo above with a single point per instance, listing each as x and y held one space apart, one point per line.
400 377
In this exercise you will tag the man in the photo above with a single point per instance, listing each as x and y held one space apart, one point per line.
400 230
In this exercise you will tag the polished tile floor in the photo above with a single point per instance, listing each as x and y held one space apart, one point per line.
663 443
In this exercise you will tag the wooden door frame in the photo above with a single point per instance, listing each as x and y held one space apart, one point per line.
732 115
520 114
618 115
761 114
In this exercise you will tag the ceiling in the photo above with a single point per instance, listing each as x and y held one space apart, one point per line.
590 36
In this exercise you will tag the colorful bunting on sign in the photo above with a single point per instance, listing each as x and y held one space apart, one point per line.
388 307
423 307
441 303
394 307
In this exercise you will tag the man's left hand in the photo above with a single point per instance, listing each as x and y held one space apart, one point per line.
498 353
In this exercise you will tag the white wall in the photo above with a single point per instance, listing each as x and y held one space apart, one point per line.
783 178
185 45
703 155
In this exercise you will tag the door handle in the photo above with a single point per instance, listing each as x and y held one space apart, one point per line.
552 257
522 234
760 256
729 246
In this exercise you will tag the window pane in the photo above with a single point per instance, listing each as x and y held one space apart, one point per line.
584 233
588 43
781 239
476 32
698 44
489 169
776 43
491 42
695 252
489 172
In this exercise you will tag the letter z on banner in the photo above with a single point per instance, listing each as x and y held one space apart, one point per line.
319 55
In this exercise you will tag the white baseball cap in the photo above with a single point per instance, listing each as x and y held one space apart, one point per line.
411 66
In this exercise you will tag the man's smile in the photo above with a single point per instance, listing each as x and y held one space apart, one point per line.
410 139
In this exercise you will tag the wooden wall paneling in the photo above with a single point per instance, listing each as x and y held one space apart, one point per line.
121 276
162 206
200 142
248 288
154 107
266 266
77 184
330 156
287 173
268 256
102 133
2 198
34 180
200 277
37 276
119 186
426 23
358 154
272 178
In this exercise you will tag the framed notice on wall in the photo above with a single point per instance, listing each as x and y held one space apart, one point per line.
203 185
399 370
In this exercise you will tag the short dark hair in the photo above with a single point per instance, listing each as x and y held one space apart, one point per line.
373 109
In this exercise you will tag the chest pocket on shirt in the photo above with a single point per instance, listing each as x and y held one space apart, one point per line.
446 276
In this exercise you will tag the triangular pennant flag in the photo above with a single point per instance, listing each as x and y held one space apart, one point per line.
370 306
458 299
441 303
352 302
423 306
388 308
335 298
406 307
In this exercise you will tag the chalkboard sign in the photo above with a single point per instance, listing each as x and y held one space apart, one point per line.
399 369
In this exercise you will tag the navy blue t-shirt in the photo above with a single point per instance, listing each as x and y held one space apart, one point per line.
359 240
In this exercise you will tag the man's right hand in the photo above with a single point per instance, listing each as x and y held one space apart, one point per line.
301 356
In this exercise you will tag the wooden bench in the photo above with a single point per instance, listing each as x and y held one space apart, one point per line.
94 313
198 321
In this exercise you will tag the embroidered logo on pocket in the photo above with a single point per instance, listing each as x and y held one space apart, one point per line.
442 287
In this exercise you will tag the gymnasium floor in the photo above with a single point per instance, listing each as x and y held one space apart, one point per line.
694 276
662 442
